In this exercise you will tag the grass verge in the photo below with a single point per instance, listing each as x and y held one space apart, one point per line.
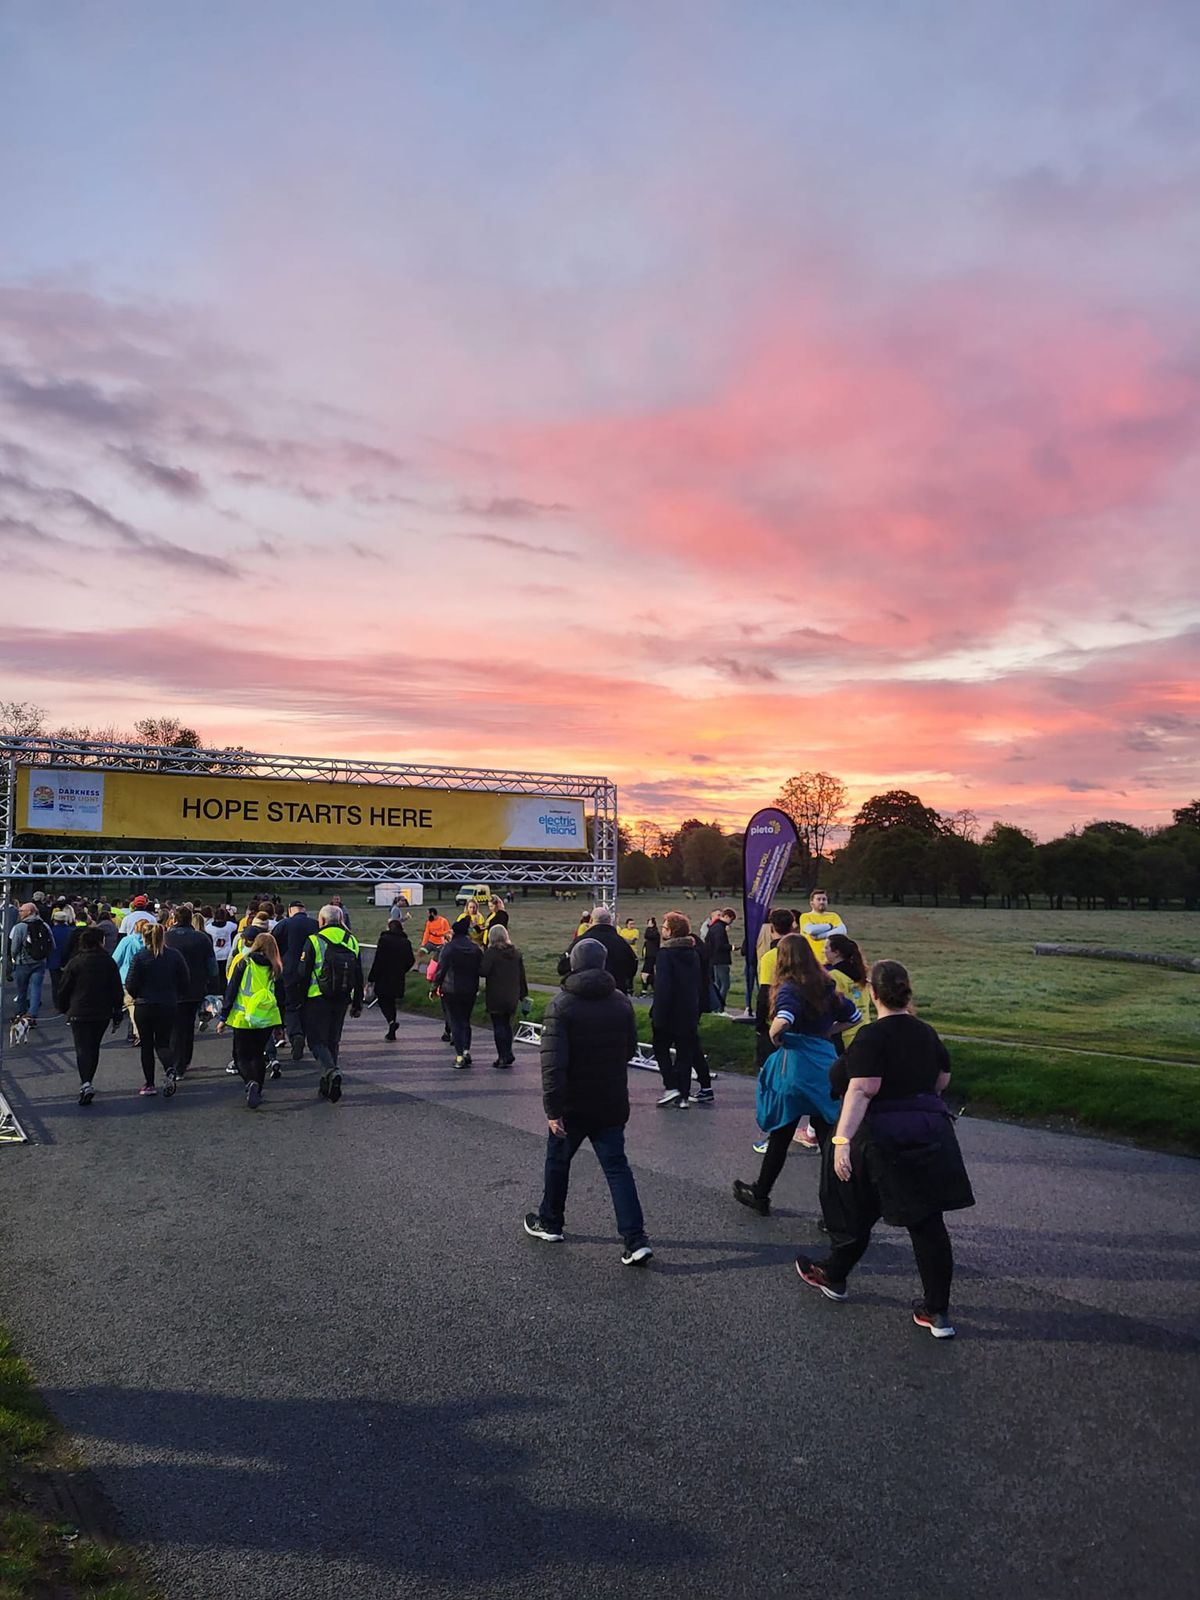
1157 1105
40 1556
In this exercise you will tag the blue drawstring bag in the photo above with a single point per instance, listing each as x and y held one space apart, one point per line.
794 1082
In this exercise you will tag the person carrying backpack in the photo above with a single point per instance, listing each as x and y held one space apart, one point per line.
30 947
330 977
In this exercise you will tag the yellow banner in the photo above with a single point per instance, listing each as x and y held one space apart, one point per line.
325 816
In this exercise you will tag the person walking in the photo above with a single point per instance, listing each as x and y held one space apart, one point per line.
675 1015
221 928
139 911
457 980
291 935
110 934
845 965
588 1037
393 962
894 1154
252 1007
91 996
157 981
62 931
720 954
504 989
794 1081
435 933
30 946
196 948
330 978
619 959
651 944
123 955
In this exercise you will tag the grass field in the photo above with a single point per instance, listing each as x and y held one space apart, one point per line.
975 975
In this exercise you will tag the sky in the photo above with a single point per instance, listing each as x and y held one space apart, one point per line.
693 393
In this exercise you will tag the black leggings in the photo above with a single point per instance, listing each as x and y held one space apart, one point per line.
155 1029
250 1053
779 1143
931 1247
88 1038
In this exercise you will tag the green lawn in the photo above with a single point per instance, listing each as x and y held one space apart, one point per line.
975 974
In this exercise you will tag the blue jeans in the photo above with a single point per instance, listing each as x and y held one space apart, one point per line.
29 988
609 1145
721 977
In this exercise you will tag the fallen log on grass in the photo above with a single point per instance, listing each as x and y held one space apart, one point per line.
1095 952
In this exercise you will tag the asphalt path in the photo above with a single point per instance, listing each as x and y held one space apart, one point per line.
309 1352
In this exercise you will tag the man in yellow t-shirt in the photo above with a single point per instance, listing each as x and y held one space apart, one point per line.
818 922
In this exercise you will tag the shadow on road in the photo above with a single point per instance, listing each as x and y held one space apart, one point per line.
433 1491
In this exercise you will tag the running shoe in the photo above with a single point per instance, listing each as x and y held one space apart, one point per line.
323 1085
85 1094
669 1099
813 1273
297 1047
636 1252
683 1103
937 1322
747 1195
231 1071
462 1062
705 1097
335 1087
147 1088
806 1140
170 1084
537 1229
276 1070
253 1095
759 1147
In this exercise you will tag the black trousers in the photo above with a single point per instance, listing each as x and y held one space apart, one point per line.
458 1020
778 1144
323 1023
185 1033
688 1055
931 1247
156 1031
250 1053
502 1032
88 1038
388 1000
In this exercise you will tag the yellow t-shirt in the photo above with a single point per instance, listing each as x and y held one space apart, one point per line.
827 921
853 991
767 963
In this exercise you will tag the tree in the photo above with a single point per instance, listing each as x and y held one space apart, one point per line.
1188 816
647 836
896 860
959 864
963 824
896 809
638 872
704 850
1011 863
21 719
166 731
815 802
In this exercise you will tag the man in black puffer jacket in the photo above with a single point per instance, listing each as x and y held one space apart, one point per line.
588 1036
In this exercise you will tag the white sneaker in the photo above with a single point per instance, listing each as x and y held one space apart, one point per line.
669 1099
683 1103
86 1092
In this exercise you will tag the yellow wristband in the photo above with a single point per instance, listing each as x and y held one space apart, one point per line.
837 1139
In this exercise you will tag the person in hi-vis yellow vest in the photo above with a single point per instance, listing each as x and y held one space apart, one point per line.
253 1007
330 977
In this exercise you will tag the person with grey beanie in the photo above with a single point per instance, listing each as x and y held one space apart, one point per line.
588 1036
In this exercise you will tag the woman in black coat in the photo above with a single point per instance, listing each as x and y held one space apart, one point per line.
392 964
894 1154
651 944
504 987
679 979
92 996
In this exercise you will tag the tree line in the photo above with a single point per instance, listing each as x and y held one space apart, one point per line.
897 848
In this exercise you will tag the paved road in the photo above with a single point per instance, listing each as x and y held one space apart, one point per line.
310 1353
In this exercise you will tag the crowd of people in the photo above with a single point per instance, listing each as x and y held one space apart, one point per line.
865 1095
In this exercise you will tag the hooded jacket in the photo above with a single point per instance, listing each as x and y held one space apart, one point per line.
678 986
90 989
393 960
504 979
458 968
619 958
588 1036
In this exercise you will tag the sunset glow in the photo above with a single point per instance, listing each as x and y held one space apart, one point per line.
615 388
